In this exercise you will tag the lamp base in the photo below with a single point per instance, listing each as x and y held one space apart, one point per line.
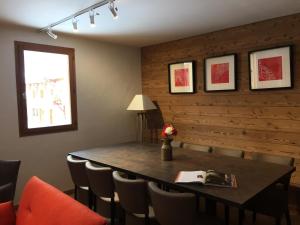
141 125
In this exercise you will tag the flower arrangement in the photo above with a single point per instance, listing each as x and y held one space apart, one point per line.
168 131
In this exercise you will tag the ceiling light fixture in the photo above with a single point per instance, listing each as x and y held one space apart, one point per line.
92 18
50 33
111 5
113 9
75 23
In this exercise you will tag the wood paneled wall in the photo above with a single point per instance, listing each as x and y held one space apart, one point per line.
263 121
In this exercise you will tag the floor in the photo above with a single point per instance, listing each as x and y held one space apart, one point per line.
260 219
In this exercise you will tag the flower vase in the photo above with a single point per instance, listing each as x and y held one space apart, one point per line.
166 149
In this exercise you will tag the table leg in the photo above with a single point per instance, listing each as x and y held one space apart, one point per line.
227 215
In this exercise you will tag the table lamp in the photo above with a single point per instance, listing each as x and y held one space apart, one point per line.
141 103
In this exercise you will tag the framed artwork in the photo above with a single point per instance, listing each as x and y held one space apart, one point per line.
271 68
182 77
220 73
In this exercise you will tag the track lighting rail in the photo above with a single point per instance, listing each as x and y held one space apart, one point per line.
88 9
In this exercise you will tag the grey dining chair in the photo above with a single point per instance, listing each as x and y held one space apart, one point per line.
195 147
134 200
282 160
176 144
101 184
228 152
209 204
177 208
80 179
273 202
232 153
9 170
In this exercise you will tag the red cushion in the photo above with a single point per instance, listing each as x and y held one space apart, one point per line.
42 204
7 214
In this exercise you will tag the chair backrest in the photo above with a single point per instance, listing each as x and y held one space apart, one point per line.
282 160
43 204
132 194
100 180
176 144
195 147
228 152
173 208
9 170
78 171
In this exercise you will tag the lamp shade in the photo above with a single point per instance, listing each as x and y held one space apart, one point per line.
141 103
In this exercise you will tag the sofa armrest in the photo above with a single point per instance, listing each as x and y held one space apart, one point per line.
7 214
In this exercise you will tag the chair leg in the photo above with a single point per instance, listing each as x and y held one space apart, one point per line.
197 202
241 216
288 218
122 216
278 220
227 215
75 192
112 211
91 197
147 220
211 207
253 217
95 203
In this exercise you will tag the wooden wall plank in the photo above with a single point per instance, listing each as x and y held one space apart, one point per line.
275 137
283 113
263 121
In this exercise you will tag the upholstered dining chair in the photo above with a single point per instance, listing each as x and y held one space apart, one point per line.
273 202
133 195
79 178
176 144
195 147
232 153
9 170
228 152
102 185
282 160
177 208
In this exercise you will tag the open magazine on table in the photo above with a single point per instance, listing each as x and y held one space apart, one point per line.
209 177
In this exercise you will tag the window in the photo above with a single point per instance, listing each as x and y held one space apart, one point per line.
46 88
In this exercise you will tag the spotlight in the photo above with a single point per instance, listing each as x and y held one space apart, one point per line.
50 33
113 9
75 27
92 18
111 4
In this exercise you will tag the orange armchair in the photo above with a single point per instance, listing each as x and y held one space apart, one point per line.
42 204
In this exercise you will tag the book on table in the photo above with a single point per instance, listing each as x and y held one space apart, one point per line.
209 177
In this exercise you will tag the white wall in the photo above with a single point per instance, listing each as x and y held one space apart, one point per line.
107 76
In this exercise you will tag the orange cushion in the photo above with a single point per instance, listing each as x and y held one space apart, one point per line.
42 204
7 214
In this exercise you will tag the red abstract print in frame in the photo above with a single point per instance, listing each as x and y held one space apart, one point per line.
220 73
270 68
182 77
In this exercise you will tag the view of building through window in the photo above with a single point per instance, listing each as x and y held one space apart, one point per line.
47 89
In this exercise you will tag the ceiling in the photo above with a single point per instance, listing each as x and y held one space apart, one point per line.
146 22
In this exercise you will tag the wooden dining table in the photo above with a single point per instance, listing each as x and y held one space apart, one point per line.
143 161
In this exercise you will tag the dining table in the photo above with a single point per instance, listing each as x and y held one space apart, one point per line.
143 160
